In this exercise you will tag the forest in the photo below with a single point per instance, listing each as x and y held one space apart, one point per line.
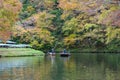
71 24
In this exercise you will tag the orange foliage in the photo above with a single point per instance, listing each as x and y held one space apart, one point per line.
113 18
9 9
116 18
5 35
1 3
48 3
66 5
12 5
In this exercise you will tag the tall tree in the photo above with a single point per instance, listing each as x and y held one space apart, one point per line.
9 9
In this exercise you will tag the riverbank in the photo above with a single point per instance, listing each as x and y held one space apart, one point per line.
88 50
18 52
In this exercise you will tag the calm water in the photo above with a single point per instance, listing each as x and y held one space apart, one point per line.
76 67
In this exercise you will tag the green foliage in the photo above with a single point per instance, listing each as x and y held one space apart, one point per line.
90 27
114 45
7 15
12 52
41 45
40 39
27 10
44 20
70 26
35 44
57 19
112 33
70 40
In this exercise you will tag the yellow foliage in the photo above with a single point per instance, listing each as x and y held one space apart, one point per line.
49 3
65 15
43 34
112 34
43 20
30 9
9 10
12 5
67 5
70 40
5 35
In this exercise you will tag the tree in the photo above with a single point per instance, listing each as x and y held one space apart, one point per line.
8 15
70 26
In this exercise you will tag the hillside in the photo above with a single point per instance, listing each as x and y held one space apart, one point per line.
68 24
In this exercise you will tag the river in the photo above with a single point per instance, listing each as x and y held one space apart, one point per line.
76 67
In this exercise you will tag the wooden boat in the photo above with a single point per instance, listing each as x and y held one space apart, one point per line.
65 54
52 54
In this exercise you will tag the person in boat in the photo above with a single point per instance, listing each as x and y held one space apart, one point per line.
64 51
53 51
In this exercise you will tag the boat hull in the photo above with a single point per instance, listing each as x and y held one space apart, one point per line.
52 54
65 55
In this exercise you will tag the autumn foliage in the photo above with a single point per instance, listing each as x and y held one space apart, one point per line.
63 23
9 10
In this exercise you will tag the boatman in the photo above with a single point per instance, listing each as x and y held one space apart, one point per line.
64 51
53 51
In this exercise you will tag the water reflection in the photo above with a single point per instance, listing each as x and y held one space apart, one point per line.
75 67
51 58
19 68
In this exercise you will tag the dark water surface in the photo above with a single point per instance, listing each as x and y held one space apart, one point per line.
76 67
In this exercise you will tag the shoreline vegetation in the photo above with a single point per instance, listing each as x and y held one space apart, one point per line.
23 52
19 52
86 50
